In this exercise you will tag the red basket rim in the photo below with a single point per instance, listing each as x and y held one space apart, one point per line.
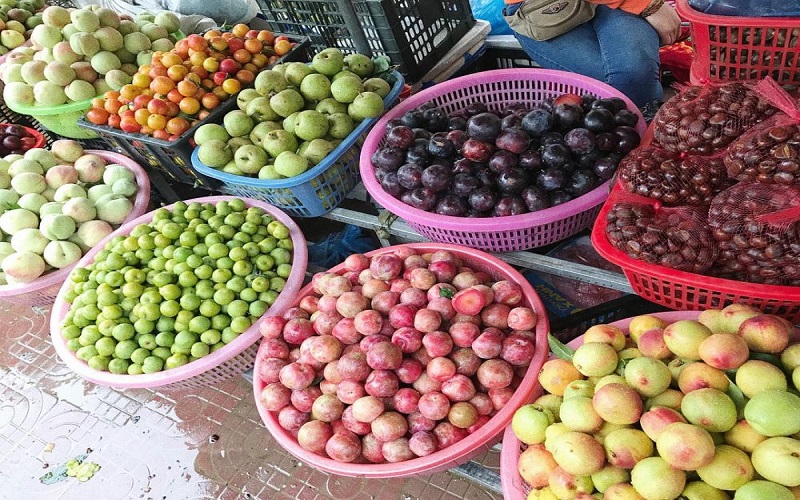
510 480
458 452
41 140
688 13
489 224
206 363
630 265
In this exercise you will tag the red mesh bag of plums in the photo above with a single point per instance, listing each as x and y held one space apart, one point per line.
770 152
757 228
674 237
703 119
673 178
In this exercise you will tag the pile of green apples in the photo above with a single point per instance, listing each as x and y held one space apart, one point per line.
78 54
295 115
692 409
17 19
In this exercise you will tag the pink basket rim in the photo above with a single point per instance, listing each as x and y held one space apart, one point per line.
509 453
140 203
493 224
443 459
212 360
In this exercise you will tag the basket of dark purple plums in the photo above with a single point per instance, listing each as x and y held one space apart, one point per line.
501 160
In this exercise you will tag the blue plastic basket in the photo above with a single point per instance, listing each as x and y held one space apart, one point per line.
316 191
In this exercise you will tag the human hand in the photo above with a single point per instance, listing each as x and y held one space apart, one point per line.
666 23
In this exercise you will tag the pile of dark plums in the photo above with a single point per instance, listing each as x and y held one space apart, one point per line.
482 162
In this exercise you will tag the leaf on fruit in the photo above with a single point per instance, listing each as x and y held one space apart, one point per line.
621 364
737 396
446 293
560 349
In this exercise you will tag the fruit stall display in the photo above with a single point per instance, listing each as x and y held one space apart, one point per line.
709 204
154 118
405 360
77 55
57 203
174 298
501 160
294 140
669 405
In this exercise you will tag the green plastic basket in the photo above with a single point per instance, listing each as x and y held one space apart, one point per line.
61 120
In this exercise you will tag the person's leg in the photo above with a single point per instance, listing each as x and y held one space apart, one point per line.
615 47
629 48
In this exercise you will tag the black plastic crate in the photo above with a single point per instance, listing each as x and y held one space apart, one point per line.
414 34
174 158
574 325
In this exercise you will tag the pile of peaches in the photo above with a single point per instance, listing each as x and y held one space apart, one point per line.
178 88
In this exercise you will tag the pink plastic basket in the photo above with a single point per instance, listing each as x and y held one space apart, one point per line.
514 488
228 362
461 452
42 291
497 89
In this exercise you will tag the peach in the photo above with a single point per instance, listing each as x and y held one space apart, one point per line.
534 465
656 419
649 376
651 343
699 375
765 333
625 447
595 359
556 374
642 323
578 453
618 404
728 470
743 436
653 478
685 446
607 334
683 338
724 351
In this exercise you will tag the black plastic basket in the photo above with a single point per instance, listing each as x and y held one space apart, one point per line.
174 158
574 325
414 34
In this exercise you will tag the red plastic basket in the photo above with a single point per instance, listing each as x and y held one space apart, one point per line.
43 290
682 290
41 140
514 487
230 361
497 89
462 451
720 42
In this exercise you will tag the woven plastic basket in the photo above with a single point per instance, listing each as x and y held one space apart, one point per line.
497 89
462 451
230 361
43 290
682 290
742 48
514 488
62 120
318 190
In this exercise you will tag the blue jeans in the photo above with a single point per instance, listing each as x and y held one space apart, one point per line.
615 47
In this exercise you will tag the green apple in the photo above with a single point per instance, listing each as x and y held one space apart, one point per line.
311 125
340 125
346 89
237 123
330 106
315 150
270 82
286 102
290 164
761 490
214 153
276 142
260 110
328 61
268 173
365 105
359 64
530 422
244 97
250 158
261 129
774 413
377 85
296 72
209 131
315 87
778 459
